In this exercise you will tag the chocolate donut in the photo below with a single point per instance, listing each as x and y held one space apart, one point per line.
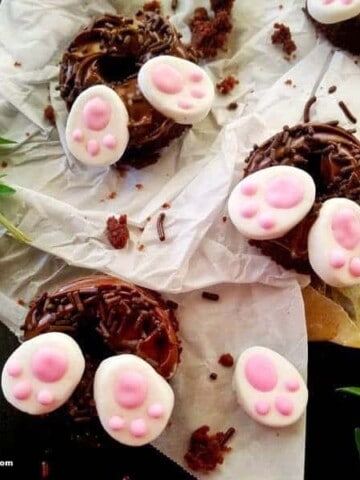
107 316
331 155
338 21
110 52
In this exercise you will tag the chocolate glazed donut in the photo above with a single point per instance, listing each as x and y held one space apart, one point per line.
107 316
344 35
331 155
110 52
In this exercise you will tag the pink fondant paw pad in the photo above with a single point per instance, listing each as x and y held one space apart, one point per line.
42 373
269 388
133 401
334 243
269 202
177 88
97 127
333 11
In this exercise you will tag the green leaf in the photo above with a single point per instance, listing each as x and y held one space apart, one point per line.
357 439
5 141
6 190
18 234
352 390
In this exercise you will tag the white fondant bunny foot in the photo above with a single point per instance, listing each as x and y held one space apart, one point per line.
334 243
97 127
133 401
177 88
42 373
269 388
268 203
333 11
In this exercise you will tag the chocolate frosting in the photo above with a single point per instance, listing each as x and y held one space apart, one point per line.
331 155
110 52
107 316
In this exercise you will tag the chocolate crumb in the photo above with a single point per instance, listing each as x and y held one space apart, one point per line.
160 227
232 106
281 7
148 219
141 229
174 4
210 296
165 205
282 36
4 164
117 231
288 81
112 195
209 32
347 112
21 302
226 85
27 134
141 247
226 360
213 376
139 186
49 114
153 6
332 89
307 108
207 451
224 218
17 64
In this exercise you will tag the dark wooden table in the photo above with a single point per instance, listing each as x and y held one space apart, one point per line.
330 449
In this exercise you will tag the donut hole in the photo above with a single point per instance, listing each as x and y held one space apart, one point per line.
116 69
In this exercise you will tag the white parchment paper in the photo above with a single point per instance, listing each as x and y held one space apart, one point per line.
63 206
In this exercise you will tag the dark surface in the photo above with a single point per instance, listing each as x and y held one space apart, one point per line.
330 452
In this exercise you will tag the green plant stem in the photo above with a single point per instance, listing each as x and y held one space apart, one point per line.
18 234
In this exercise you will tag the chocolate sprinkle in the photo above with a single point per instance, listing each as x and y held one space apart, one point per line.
332 89
232 106
213 376
160 226
347 112
174 4
210 296
307 108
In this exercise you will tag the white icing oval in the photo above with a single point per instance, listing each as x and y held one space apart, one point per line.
47 383
133 401
334 243
282 196
97 127
269 388
333 11
177 88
